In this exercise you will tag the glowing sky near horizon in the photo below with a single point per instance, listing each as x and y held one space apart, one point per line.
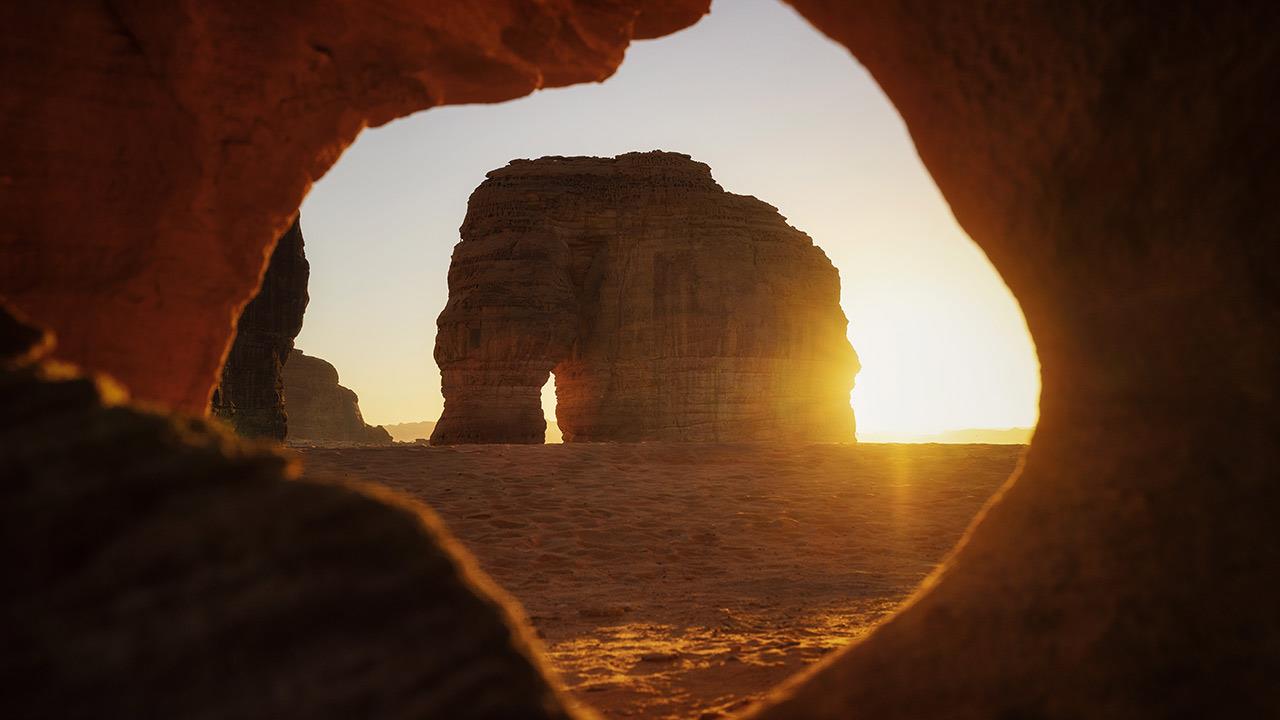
777 111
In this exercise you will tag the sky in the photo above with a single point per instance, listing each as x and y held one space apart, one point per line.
778 111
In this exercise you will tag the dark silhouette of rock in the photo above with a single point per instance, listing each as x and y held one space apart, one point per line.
156 566
1115 161
667 308
321 410
250 394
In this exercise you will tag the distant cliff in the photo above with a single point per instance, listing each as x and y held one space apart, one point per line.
667 308
321 410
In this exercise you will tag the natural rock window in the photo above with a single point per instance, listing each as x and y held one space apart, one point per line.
668 309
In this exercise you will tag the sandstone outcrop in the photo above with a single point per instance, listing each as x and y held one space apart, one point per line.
250 393
667 308
321 410
1117 165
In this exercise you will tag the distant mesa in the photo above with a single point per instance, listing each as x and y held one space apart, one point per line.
410 431
321 410
667 308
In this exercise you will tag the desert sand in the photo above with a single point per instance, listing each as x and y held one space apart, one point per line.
685 580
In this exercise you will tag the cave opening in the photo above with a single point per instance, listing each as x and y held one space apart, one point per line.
944 349
1073 595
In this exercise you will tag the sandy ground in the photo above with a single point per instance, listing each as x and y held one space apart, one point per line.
685 580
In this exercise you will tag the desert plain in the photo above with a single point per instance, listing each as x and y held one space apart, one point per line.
683 580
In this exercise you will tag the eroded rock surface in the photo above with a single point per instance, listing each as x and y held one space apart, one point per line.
250 395
150 152
667 308
322 410
158 566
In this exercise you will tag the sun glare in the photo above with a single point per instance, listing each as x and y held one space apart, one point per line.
943 344
940 358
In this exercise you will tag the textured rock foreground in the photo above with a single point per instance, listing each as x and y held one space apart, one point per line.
321 410
161 567
250 394
667 308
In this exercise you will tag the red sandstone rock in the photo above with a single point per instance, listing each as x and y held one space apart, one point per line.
250 392
153 153
321 410
668 309
1116 162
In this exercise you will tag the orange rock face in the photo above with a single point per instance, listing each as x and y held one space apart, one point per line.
152 154
1116 162
667 308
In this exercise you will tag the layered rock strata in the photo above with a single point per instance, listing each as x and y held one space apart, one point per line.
667 308
320 409
250 394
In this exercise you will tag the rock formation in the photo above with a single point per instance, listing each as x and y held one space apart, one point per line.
321 410
1116 165
156 567
250 393
667 308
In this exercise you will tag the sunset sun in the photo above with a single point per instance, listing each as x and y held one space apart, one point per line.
942 343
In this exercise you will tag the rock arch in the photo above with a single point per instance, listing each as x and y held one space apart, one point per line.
668 309
1115 161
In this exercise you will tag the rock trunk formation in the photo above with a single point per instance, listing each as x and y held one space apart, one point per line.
1116 161
321 410
667 308
250 393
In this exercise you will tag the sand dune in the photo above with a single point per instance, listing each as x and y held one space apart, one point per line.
679 580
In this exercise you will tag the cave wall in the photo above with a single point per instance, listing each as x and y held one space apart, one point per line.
155 123
250 392
667 308
1111 160
1115 160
